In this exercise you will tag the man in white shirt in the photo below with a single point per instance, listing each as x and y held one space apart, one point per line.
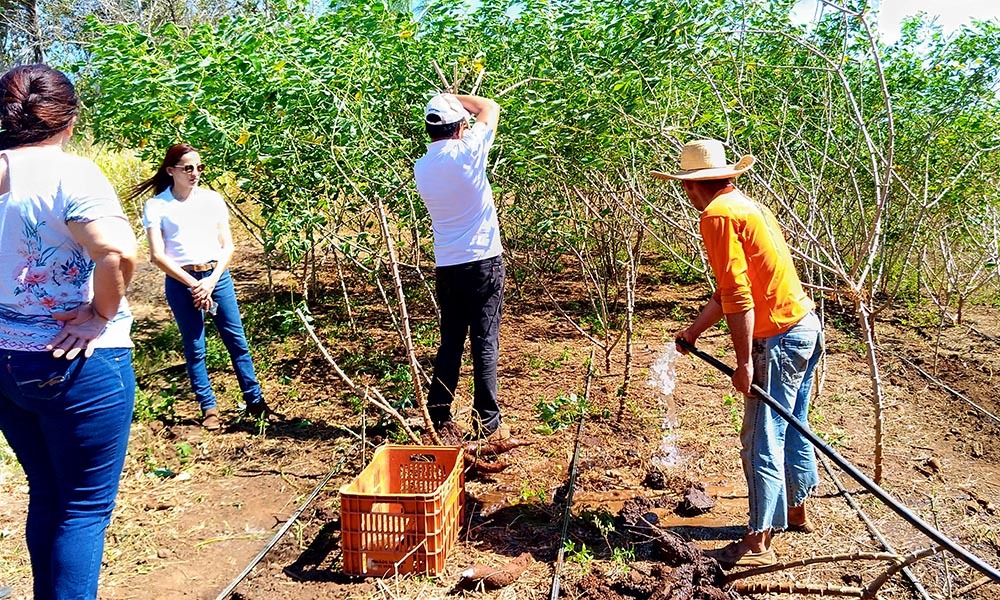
451 179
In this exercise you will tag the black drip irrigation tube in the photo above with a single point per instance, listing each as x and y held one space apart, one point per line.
571 485
948 544
567 513
284 528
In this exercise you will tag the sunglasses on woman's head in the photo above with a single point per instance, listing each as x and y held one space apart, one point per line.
191 168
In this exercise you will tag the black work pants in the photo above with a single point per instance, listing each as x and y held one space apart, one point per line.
470 296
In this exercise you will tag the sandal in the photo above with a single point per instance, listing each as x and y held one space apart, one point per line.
798 519
210 419
806 527
738 555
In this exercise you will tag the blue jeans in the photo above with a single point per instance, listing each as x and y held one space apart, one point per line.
191 323
471 299
68 424
779 463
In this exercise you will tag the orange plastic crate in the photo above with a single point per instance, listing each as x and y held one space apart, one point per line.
402 513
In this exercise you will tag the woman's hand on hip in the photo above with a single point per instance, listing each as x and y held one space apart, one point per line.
80 327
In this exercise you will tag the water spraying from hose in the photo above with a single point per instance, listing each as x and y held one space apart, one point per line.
662 378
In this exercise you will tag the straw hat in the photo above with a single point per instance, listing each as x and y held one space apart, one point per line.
706 159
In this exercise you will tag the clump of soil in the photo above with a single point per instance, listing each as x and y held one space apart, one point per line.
670 569
696 501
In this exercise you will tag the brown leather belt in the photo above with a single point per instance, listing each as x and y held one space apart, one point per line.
200 268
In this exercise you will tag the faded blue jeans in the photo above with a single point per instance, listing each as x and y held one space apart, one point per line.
778 461
191 323
68 424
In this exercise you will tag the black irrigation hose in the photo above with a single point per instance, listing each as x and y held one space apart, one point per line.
907 572
284 529
568 512
969 558
951 391
571 485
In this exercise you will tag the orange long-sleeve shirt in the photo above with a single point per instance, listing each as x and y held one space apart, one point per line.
752 264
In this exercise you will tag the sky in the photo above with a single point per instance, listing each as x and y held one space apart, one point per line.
950 14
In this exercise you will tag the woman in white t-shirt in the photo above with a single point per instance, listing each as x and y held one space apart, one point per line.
190 241
67 388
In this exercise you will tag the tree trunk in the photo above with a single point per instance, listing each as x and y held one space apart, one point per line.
34 30
878 398
415 372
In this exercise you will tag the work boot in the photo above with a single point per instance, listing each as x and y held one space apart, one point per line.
450 433
260 410
500 434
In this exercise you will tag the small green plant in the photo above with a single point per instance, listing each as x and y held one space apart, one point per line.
917 316
356 404
148 460
582 556
559 413
532 492
157 350
216 355
816 415
622 559
425 333
602 520
285 322
155 406
183 452
597 324
735 418
847 399
565 355
398 435
6 454
678 313
536 362
679 271
834 437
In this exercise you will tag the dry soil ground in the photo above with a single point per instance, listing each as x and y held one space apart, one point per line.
195 507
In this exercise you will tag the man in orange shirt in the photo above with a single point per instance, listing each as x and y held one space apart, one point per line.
777 337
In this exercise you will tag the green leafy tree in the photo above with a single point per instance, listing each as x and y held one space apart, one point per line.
313 117
21 37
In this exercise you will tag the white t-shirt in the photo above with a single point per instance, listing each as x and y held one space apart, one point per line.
451 179
190 227
44 270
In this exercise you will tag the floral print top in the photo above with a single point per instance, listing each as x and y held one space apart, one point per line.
47 270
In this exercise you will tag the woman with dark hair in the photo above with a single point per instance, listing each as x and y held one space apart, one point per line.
190 241
66 383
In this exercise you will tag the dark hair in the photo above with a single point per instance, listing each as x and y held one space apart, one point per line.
36 103
437 131
714 186
161 180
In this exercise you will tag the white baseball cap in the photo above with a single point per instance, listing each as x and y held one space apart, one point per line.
445 109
